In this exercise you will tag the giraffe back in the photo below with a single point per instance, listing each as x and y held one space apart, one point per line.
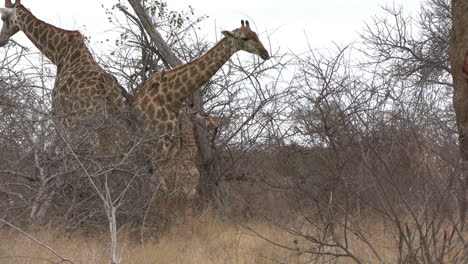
86 98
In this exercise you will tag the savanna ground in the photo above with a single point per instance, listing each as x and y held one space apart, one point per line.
200 239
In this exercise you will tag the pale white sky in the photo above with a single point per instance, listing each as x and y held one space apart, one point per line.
287 22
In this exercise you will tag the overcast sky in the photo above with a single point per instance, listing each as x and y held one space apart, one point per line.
289 23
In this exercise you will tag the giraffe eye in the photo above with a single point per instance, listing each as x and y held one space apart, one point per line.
245 39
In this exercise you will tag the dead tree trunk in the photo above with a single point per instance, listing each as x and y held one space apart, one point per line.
458 53
207 166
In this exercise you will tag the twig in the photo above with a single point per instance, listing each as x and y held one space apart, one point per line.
38 242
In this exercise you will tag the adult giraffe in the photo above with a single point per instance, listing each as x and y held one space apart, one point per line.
83 91
158 102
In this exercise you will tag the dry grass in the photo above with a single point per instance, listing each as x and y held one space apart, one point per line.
198 240
204 239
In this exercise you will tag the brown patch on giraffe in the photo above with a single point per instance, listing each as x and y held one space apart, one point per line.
69 82
82 85
30 26
80 75
89 74
173 116
177 94
155 86
202 65
35 33
85 90
171 125
70 38
169 83
157 100
145 100
50 35
182 71
96 90
177 82
43 37
75 55
163 114
186 89
150 108
56 39
205 75
161 127
158 113
184 77
213 67
168 98
209 55
192 72
91 83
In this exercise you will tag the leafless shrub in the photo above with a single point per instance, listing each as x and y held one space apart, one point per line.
375 143
360 139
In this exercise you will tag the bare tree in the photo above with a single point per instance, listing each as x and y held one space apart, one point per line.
458 59
329 146
374 139
237 92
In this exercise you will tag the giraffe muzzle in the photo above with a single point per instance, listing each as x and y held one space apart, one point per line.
264 54
3 42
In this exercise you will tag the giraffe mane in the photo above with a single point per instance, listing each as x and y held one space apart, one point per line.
24 9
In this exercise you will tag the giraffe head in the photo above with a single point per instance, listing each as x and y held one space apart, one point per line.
247 40
199 115
10 23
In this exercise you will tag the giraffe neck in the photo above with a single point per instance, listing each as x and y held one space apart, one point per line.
63 47
199 71
187 137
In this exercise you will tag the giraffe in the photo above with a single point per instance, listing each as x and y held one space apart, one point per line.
82 89
158 101
179 175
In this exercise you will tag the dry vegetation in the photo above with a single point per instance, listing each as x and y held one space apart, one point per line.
354 158
203 239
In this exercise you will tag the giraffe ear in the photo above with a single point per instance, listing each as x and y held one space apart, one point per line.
228 34
6 12
9 4
213 122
